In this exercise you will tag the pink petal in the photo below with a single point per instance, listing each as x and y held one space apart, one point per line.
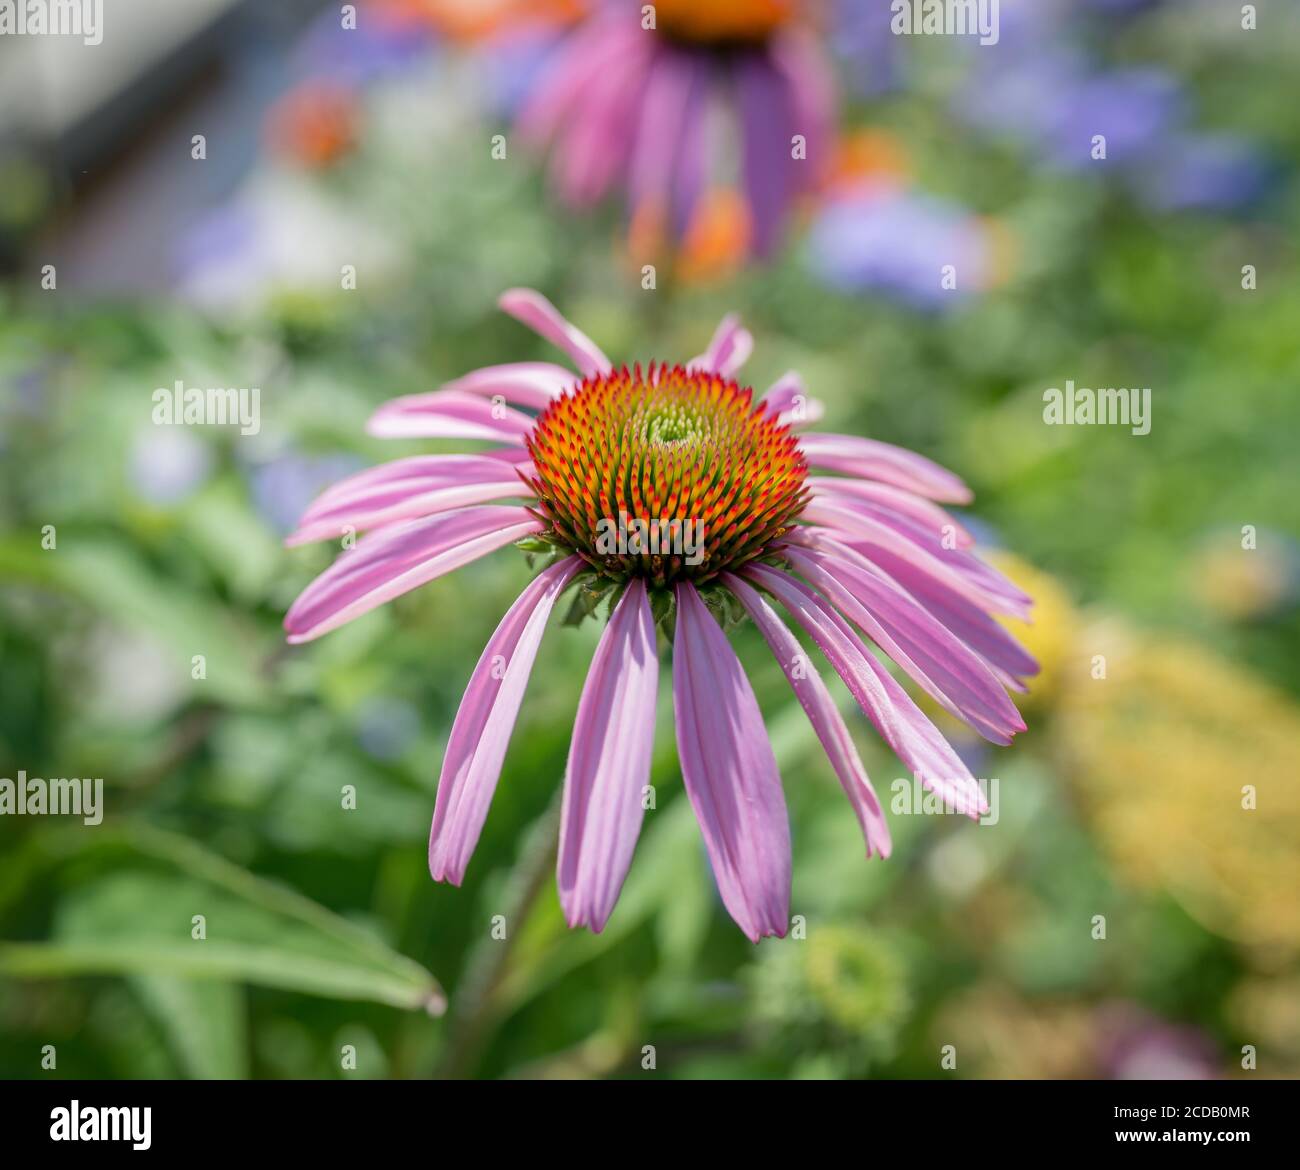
981 583
595 145
988 637
661 128
449 414
535 311
948 671
423 486
871 459
729 349
901 724
487 714
882 498
822 714
593 49
798 57
730 773
396 560
771 174
861 531
609 764
532 384
692 164
443 470
788 399
963 561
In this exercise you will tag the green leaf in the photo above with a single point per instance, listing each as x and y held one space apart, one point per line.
135 915
204 1020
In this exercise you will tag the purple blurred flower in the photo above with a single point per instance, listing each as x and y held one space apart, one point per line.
1133 109
284 485
1055 107
1135 1045
1123 7
1206 172
382 43
1026 29
515 63
166 464
896 242
1053 100
864 41
216 239
28 391
1020 97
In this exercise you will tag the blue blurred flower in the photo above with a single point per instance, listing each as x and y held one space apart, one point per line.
1019 97
1206 172
214 240
899 243
166 464
1123 7
285 484
1134 109
26 394
864 41
1052 99
386 728
514 65
383 42
1055 107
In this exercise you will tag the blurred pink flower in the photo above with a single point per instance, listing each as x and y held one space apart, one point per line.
1135 1045
634 107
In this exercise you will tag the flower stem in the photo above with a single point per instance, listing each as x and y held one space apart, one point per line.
473 1006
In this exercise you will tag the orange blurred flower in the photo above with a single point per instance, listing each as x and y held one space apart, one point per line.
314 124
474 20
868 156
714 21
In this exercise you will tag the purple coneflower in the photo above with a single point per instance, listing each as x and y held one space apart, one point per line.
628 105
741 523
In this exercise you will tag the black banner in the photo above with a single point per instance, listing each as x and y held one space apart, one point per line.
334 1118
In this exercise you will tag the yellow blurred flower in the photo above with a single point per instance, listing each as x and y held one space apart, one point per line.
1267 1013
1004 251
1052 635
1188 767
1239 583
999 1036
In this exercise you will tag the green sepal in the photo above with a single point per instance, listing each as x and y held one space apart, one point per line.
589 590
663 608
538 542
541 550
724 606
